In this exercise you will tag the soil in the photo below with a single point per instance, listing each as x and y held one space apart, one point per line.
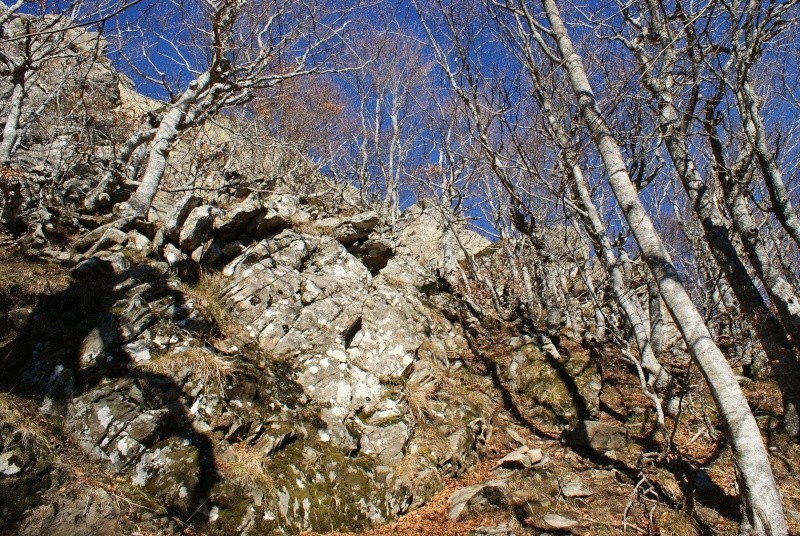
686 490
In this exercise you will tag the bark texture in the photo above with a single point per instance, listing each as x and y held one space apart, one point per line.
758 490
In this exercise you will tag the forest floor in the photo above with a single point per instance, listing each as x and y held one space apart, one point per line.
690 491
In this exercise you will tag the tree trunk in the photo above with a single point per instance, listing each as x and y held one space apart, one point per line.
162 143
110 179
756 133
772 334
658 377
758 490
11 128
656 318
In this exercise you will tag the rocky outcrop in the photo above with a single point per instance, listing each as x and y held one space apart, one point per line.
292 387
563 387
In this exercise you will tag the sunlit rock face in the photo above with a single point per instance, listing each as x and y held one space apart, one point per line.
293 385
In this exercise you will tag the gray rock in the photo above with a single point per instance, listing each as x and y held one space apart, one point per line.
271 221
18 318
196 230
102 338
115 262
596 435
517 459
138 351
560 522
476 499
138 241
91 238
236 220
561 390
176 219
111 237
134 318
112 426
172 255
386 442
356 228
11 462
208 253
574 489
375 253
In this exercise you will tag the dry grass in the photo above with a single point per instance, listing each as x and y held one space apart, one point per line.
246 467
421 397
206 295
23 420
207 367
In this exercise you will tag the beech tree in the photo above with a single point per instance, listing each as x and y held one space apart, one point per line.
229 49
672 55
547 37
757 487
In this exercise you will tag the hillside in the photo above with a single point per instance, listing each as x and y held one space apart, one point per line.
255 342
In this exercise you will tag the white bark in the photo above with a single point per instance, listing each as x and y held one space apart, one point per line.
132 146
673 125
758 490
162 143
11 128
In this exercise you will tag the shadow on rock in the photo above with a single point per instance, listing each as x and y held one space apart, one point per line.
74 360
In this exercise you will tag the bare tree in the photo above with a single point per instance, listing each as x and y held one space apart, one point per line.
759 493
672 59
231 49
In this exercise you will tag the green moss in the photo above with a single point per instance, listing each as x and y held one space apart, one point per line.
317 483
560 391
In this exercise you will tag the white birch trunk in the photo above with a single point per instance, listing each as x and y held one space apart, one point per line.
162 143
11 128
758 490
756 132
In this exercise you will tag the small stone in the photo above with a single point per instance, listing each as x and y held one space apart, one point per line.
138 241
574 489
175 221
225 347
535 456
475 499
560 522
111 237
19 318
138 351
515 343
172 255
596 435
87 269
196 229
208 253
8 464
515 435
516 459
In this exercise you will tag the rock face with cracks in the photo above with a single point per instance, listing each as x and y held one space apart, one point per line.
285 390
